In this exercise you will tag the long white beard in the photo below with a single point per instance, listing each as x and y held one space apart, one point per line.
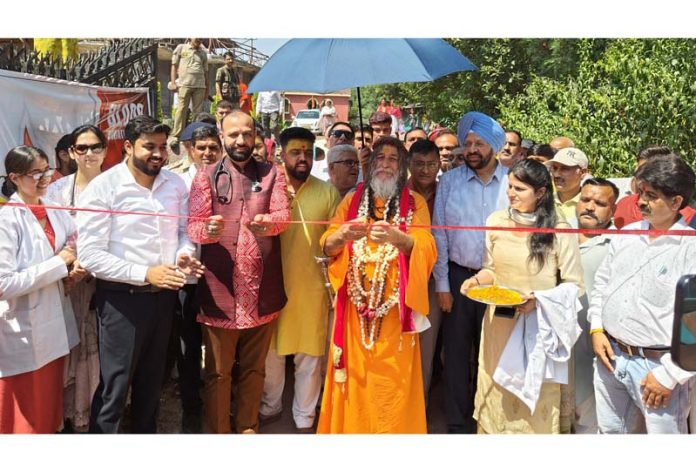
384 188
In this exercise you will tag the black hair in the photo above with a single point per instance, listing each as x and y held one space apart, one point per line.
540 149
393 210
143 124
63 143
415 128
19 160
205 132
204 117
344 123
295 132
380 117
519 135
536 175
423 146
652 151
669 174
80 130
600 182
224 104
228 54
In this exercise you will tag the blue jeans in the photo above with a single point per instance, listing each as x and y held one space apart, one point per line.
620 407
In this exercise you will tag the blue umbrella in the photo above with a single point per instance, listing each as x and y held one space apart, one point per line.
328 65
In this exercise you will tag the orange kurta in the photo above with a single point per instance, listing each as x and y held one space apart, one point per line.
383 392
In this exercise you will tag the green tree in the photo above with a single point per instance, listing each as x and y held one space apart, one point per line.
638 92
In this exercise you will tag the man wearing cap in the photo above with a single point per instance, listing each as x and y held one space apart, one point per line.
466 195
185 164
302 328
568 167
203 147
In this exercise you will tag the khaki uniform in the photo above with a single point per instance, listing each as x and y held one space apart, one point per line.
192 67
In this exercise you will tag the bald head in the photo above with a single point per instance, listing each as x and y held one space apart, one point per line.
238 133
239 118
561 142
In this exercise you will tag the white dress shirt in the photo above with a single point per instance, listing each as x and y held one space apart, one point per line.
634 290
121 248
36 327
269 102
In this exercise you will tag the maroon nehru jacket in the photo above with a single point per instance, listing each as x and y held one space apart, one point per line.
243 281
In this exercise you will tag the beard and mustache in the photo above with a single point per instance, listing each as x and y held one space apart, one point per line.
480 163
385 188
238 154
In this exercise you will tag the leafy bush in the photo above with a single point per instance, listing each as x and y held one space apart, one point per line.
639 92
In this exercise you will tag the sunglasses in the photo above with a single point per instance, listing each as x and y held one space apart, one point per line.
82 149
342 133
47 174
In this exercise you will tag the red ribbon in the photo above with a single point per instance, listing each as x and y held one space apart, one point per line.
647 232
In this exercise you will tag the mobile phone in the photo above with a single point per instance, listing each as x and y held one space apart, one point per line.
504 311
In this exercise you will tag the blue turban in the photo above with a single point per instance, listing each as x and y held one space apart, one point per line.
486 127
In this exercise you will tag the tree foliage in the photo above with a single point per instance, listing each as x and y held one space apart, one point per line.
639 92
612 97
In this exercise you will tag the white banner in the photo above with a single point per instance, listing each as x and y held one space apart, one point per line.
38 111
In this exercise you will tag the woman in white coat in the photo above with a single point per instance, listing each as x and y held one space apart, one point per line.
36 333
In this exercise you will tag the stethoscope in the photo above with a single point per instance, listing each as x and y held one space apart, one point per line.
221 170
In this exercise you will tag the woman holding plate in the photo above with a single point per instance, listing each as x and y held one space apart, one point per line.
526 262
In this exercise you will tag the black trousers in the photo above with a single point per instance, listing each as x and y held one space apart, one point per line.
461 337
188 352
134 330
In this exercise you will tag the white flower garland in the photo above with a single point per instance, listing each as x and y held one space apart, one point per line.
371 303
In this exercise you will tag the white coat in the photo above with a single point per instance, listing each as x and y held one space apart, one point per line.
34 327
540 344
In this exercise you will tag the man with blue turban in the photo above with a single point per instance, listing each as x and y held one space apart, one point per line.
466 196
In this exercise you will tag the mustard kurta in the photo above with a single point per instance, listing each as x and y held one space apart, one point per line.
383 392
304 321
497 410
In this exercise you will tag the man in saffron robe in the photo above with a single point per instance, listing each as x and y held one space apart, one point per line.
380 271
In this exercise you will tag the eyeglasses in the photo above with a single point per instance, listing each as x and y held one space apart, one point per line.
348 162
47 174
342 133
82 149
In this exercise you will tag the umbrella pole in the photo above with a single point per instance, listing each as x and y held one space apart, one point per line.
360 115
362 135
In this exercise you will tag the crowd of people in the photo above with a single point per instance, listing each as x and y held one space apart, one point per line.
225 263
